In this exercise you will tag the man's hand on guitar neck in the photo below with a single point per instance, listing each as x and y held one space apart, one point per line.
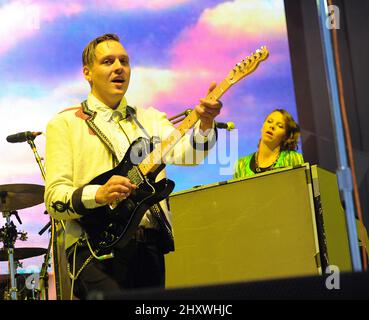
117 188
208 109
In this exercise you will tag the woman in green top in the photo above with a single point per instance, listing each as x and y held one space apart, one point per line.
276 148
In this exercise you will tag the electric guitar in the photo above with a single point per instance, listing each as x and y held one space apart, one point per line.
109 226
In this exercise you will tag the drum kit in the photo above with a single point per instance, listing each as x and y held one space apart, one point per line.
15 197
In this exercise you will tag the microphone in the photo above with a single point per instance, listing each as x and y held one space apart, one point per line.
221 125
22 136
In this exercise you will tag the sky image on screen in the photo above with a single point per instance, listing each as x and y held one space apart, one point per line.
176 48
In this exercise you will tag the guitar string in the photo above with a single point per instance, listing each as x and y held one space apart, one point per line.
74 276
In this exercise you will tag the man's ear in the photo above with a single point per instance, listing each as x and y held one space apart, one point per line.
87 73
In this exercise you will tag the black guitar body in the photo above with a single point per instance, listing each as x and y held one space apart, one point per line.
108 226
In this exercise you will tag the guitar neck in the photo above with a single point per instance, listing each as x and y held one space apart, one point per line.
242 69
156 157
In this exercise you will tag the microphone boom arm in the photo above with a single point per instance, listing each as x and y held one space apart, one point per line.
37 156
180 117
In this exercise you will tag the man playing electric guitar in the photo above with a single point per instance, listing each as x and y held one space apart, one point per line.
89 141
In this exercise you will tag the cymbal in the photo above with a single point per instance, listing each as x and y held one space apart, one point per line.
20 196
22 253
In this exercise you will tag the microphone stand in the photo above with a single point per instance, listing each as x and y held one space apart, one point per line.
180 117
44 276
37 156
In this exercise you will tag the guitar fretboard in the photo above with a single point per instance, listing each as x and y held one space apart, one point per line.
156 157
245 67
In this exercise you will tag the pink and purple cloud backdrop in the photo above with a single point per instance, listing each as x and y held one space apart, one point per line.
176 48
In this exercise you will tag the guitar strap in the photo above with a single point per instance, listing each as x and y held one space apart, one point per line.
167 239
156 210
131 112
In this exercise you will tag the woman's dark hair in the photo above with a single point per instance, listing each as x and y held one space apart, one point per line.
292 131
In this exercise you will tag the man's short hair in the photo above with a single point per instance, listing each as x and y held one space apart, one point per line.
88 55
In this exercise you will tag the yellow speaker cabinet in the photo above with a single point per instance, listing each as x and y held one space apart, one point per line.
262 227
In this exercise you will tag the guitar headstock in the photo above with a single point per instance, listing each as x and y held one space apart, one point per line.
247 65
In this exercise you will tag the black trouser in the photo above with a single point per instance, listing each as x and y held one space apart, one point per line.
139 264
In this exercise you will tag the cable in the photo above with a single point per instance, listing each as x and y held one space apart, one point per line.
74 270
348 136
